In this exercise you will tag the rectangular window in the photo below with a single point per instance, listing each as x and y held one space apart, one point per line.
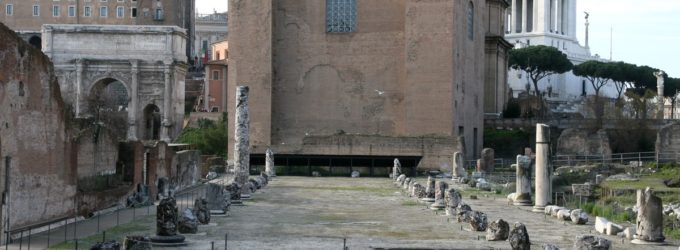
341 16
87 11
72 10
103 11
55 10
133 12
159 14
36 10
9 9
216 75
120 11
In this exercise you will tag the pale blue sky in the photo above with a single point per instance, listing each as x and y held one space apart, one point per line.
645 32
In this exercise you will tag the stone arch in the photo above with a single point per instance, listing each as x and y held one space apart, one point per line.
151 122
111 91
36 41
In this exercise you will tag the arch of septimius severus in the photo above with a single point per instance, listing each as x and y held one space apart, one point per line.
149 61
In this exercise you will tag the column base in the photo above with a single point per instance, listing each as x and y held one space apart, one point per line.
538 209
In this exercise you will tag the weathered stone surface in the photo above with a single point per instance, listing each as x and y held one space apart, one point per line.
429 190
478 221
139 198
613 228
256 184
498 230
396 169
356 174
519 237
483 185
269 167
137 243
555 210
581 141
590 242
216 197
629 233
523 185
400 180
234 192
564 214
487 161
579 217
407 182
649 217
601 225
188 223
463 214
166 217
248 189
440 195
242 139
201 210
582 190
109 245
543 182
265 178
550 247
453 199
418 191
548 209
458 166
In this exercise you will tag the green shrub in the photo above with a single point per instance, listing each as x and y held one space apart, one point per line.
209 138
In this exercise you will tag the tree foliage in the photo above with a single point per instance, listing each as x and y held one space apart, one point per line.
210 137
539 62
595 71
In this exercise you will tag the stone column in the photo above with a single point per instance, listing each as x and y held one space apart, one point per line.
513 18
543 188
134 101
269 164
523 185
241 134
429 190
79 85
559 15
396 169
649 218
524 16
439 195
167 103
458 167
660 93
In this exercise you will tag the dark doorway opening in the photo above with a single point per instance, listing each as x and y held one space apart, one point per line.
335 165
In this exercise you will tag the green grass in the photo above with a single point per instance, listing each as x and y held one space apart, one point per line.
140 226
410 203
607 211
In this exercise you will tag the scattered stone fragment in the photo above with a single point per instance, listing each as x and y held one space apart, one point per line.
613 228
590 242
255 184
355 174
396 169
519 237
629 233
564 214
418 191
478 221
188 223
497 231
234 192
601 224
649 218
407 182
453 199
201 210
550 247
400 180
137 243
109 245
429 190
579 217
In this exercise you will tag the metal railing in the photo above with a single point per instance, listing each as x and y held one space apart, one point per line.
621 158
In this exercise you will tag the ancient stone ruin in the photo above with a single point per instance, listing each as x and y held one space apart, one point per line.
590 242
396 169
519 237
453 199
523 186
486 163
649 218
166 222
188 223
429 190
201 210
269 167
242 145
458 172
439 195
216 198
543 184
498 230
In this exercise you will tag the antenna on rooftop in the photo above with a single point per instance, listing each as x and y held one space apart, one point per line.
611 42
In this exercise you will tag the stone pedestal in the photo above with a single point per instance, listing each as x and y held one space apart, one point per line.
519 237
439 195
543 185
429 190
242 145
453 199
166 223
487 161
270 170
216 198
396 169
649 218
234 193
458 167
523 185
201 211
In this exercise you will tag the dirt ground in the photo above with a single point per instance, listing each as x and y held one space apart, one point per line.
370 213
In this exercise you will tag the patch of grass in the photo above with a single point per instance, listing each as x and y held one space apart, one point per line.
410 203
655 183
139 226
607 211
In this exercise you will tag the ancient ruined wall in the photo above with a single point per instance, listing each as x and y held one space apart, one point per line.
33 137
185 168
668 139
96 158
582 142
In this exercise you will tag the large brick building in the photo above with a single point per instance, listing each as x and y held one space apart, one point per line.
367 79
27 17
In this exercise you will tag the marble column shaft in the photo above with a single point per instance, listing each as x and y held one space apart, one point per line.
242 143
523 182
167 103
543 188
134 101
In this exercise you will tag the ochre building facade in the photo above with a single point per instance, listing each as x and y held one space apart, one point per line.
364 77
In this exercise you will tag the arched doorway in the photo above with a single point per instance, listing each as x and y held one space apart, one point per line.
108 105
152 122
36 41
